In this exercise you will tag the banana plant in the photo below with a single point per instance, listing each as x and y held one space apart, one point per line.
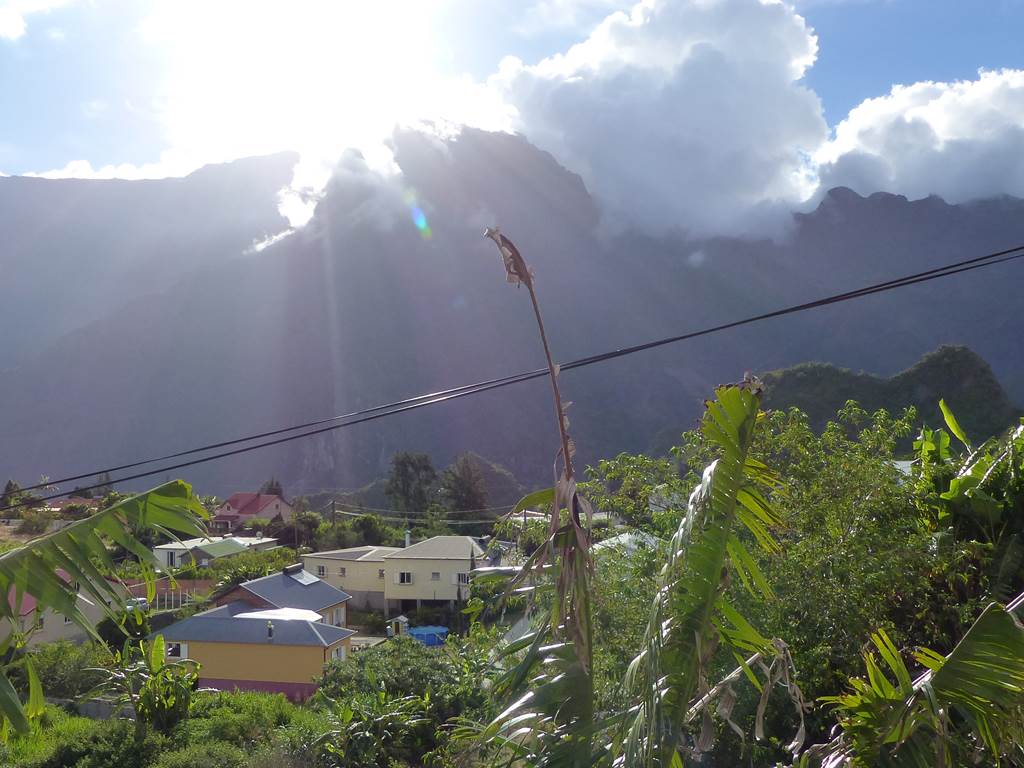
966 708
691 617
55 569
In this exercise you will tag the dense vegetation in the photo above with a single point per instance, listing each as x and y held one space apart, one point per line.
837 558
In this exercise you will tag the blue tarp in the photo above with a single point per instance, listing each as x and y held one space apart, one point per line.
429 635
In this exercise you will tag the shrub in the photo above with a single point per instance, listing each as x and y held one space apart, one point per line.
62 740
63 667
217 754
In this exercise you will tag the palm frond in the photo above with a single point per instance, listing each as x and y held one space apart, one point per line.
966 704
690 617
53 568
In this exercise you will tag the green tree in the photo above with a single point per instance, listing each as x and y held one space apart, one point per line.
273 486
410 481
432 523
11 494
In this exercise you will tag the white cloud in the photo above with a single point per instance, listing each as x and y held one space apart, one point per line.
960 140
680 115
13 15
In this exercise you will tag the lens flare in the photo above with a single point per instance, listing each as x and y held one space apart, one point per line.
419 218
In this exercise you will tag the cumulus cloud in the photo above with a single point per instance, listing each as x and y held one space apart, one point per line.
961 140
681 115
13 15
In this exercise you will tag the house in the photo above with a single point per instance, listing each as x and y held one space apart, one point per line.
60 506
242 508
432 571
291 587
175 554
257 649
47 625
628 544
360 571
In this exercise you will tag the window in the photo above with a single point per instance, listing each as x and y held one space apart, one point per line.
463 578
405 577
177 650
321 570
380 573
67 620
342 572
338 653
435 576
170 559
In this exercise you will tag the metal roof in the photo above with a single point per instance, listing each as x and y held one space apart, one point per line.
222 548
356 553
441 548
233 629
297 588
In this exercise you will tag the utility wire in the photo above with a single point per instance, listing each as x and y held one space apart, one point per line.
377 412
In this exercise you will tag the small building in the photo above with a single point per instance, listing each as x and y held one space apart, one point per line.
47 626
280 650
360 571
432 572
242 508
291 587
203 550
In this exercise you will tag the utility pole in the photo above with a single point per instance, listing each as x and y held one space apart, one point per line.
334 515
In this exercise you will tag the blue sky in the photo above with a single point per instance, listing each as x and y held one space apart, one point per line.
122 88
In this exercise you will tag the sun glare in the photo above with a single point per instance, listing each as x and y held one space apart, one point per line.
244 78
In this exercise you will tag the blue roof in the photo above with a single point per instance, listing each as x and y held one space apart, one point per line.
296 589
222 628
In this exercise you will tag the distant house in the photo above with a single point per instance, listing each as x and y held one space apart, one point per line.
292 587
60 506
242 508
245 648
48 625
432 571
360 571
202 551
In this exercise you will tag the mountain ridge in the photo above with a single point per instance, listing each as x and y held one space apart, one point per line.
359 307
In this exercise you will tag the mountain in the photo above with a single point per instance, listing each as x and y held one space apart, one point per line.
362 307
955 374
77 248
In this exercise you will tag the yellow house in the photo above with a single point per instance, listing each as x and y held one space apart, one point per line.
359 571
433 570
281 650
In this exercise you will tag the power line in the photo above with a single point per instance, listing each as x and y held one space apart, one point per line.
420 401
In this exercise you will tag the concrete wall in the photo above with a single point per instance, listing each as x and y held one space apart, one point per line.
424 586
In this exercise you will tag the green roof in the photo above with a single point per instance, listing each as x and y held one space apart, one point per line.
222 548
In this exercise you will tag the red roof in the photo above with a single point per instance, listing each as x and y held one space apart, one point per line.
28 602
247 504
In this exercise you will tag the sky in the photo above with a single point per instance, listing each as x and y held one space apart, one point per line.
713 116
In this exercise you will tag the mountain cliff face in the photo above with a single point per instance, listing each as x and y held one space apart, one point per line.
361 307
75 249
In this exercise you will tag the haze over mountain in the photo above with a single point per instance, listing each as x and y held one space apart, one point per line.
207 339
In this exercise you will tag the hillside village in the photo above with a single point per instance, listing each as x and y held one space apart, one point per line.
545 384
